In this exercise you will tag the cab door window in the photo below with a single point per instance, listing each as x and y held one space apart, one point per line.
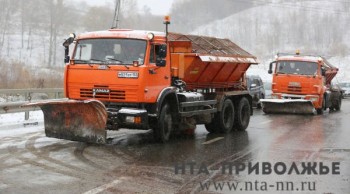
154 53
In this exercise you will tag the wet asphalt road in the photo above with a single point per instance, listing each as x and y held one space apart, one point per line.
133 163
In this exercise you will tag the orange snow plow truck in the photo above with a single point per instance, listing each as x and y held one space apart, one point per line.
149 80
301 84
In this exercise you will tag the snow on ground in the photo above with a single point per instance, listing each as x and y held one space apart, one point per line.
17 120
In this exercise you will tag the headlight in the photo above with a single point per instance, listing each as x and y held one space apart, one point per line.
150 36
274 96
313 99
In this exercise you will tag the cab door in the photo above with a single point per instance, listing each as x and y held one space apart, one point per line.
157 77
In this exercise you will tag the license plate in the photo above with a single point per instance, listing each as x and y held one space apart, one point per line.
128 74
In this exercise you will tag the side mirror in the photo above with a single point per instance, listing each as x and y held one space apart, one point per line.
66 44
161 63
162 51
66 59
270 67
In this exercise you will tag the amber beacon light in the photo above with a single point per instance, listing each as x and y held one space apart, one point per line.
166 19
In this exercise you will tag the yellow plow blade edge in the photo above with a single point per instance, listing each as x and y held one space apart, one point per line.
75 120
287 106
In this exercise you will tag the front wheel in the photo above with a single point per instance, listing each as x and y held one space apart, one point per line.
242 117
164 126
212 126
320 110
258 106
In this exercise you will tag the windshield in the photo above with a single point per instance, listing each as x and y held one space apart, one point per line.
111 51
297 67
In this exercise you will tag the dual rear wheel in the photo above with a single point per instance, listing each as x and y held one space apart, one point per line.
335 105
231 117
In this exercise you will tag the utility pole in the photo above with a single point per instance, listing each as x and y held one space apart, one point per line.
116 14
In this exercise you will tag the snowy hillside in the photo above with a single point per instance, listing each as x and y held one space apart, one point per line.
34 51
284 26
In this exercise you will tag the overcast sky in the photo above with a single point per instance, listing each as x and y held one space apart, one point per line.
158 7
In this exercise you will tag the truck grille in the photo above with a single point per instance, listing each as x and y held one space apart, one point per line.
294 89
112 94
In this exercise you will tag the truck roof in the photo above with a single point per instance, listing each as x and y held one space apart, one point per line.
120 33
298 58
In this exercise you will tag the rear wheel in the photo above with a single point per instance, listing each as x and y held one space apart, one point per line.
226 116
338 105
164 126
242 116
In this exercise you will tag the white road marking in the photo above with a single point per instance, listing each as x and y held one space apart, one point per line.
268 121
213 140
103 187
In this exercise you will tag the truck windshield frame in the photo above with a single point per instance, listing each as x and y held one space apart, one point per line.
297 67
111 51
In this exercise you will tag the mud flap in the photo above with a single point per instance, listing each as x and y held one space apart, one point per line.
83 121
291 106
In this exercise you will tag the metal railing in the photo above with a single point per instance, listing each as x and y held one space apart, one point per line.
16 98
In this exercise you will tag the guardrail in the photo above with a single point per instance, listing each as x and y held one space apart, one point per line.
26 96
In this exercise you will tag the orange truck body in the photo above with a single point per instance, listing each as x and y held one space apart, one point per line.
309 82
178 81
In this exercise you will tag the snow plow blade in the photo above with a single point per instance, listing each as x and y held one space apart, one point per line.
83 121
286 106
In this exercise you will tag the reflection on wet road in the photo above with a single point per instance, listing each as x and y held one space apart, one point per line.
133 163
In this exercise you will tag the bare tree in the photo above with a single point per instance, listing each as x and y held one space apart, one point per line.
8 9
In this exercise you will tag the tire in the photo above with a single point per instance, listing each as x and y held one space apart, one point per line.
258 106
226 117
213 126
242 116
165 125
320 110
338 105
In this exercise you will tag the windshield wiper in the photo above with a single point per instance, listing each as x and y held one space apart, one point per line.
102 62
113 59
119 61
92 61
98 60
83 61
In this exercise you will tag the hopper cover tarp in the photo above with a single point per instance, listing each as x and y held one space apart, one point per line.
212 49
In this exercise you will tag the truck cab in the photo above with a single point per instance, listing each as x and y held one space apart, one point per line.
303 80
122 66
